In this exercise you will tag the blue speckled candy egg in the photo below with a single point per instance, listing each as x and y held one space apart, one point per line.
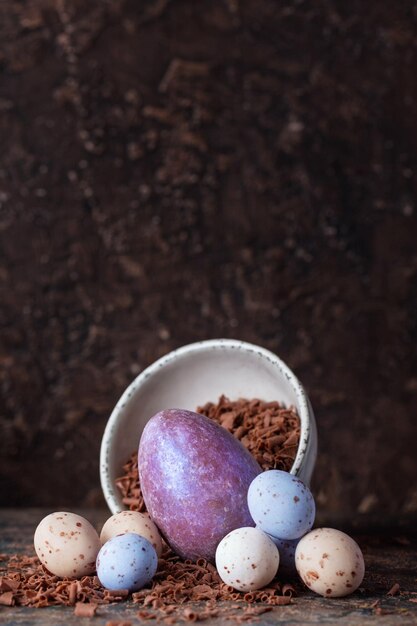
126 562
286 549
281 505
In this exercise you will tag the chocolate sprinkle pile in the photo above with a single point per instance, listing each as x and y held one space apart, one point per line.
270 431
24 581
178 582
179 590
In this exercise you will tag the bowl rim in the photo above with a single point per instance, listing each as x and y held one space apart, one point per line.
303 409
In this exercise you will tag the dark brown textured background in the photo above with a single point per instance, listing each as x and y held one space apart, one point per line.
174 171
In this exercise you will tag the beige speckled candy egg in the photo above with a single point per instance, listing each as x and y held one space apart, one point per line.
247 559
67 545
330 562
132 522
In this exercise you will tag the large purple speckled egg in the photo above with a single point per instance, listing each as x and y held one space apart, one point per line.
195 477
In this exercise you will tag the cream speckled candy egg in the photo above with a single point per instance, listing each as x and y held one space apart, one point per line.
330 562
132 522
247 559
67 545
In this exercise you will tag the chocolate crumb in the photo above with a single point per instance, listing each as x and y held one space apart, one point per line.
85 610
6 598
394 590
190 615
288 590
381 611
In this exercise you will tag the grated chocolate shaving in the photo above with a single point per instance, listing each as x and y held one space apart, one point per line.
270 431
7 599
85 610
394 590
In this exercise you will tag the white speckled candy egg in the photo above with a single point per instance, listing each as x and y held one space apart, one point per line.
126 561
132 522
330 562
67 545
281 505
247 559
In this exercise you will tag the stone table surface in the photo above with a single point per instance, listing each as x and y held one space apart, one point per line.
390 558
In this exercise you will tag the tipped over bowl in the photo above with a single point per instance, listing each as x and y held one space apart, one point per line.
191 376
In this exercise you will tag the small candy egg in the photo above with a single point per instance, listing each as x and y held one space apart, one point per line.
286 549
67 545
281 505
330 562
126 561
132 522
247 559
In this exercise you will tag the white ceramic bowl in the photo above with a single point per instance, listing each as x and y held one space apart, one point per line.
191 376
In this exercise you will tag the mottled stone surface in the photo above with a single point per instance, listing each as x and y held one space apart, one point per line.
195 477
173 171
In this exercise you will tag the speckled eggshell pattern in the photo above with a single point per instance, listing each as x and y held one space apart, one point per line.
286 549
194 476
132 522
247 559
330 562
67 545
126 561
281 505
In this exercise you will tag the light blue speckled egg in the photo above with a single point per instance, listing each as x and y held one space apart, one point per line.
281 505
286 549
126 561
